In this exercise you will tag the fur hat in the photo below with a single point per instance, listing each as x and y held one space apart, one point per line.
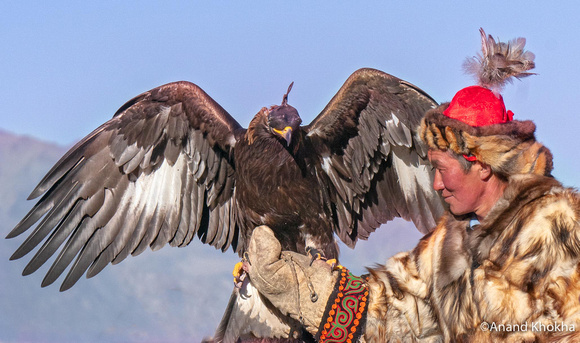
475 123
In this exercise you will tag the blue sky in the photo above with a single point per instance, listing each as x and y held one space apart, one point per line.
66 66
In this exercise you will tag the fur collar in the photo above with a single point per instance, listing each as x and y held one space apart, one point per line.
521 191
463 248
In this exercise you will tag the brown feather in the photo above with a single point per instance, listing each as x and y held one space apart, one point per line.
499 62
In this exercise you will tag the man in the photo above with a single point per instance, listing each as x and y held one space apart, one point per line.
503 264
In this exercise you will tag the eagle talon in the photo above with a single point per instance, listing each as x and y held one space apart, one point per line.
333 263
239 273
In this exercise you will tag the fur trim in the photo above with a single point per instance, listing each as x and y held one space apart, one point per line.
509 148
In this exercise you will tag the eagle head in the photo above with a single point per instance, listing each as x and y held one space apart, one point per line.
284 119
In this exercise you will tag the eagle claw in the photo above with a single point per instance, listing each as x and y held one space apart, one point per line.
239 273
241 269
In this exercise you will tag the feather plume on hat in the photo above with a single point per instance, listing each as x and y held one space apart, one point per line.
499 62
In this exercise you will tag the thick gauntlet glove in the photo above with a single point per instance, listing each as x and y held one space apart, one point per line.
312 294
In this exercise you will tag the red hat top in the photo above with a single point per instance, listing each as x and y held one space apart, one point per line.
478 106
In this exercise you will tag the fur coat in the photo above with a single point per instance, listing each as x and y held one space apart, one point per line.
513 278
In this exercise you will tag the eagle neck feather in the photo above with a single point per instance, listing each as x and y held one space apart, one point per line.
258 126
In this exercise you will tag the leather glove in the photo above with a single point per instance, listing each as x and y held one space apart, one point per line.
287 279
302 290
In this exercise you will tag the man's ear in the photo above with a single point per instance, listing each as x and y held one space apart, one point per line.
484 171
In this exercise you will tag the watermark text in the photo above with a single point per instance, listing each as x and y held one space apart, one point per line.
524 327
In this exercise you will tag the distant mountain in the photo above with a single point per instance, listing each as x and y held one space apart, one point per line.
23 162
173 295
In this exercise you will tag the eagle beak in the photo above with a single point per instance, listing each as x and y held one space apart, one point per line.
286 133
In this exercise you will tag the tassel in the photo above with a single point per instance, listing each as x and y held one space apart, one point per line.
499 62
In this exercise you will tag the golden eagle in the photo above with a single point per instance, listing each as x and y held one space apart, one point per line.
172 164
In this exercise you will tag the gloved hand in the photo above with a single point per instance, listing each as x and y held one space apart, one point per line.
312 293
287 279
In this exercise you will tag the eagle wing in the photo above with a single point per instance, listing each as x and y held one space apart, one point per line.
160 171
369 158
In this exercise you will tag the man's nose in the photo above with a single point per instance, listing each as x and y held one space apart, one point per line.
438 181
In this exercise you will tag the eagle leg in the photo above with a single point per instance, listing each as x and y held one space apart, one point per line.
316 254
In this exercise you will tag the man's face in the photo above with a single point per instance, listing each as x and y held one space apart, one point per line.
462 191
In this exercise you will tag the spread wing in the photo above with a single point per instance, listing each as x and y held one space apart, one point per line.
374 166
160 171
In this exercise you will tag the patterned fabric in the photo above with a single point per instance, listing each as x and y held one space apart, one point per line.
345 312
